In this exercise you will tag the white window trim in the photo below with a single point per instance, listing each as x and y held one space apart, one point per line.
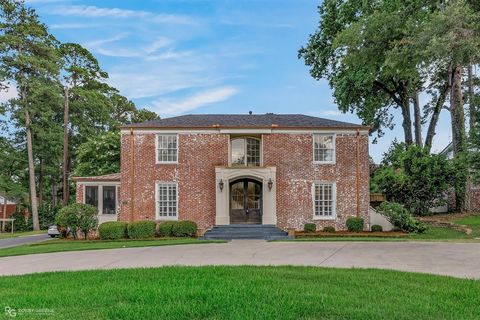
165 218
100 186
334 197
230 162
334 156
157 161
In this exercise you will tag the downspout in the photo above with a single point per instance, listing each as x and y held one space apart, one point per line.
358 174
132 174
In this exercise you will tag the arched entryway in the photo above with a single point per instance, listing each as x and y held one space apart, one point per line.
246 201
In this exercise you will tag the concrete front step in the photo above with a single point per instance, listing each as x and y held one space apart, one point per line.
245 231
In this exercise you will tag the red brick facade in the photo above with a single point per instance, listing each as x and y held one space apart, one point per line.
200 153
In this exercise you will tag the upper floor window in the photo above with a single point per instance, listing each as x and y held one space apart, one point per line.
167 148
324 148
245 152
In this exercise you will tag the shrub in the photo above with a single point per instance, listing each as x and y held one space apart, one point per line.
113 230
376 228
165 228
141 229
184 229
400 217
309 227
77 216
413 177
329 229
355 224
20 223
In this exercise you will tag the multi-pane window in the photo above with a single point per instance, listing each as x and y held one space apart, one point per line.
324 200
167 148
323 148
245 152
167 200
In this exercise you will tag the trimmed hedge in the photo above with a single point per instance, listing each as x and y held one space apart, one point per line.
113 230
141 229
355 224
184 228
329 229
376 228
309 227
165 228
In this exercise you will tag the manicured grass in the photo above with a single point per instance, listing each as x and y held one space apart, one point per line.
78 245
472 222
245 292
21 234
438 233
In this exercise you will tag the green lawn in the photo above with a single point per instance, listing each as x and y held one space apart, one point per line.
21 234
245 292
473 222
77 245
438 233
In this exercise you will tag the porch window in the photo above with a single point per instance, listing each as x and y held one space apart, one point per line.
245 152
167 204
324 148
102 197
91 195
167 148
324 198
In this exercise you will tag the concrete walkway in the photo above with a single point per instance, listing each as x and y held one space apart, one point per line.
454 259
12 242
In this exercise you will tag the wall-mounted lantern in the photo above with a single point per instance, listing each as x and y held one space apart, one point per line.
270 184
220 185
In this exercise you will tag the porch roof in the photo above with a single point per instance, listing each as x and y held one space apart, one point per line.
106 177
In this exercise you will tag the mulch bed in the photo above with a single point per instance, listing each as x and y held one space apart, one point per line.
339 234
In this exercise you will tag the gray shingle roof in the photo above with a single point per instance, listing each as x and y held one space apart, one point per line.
244 121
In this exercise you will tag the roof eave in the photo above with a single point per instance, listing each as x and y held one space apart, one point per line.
360 127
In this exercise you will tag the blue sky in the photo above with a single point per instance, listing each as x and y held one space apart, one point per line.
204 56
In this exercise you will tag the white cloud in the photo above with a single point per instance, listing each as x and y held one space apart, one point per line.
8 94
132 51
175 107
97 12
73 26
332 113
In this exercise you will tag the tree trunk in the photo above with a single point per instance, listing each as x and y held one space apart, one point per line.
407 120
456 110
418 119
31 171
472 110
66 189
40 184
458 134
436 115
4 212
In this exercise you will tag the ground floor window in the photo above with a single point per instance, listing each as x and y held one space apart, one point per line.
167 204
324 199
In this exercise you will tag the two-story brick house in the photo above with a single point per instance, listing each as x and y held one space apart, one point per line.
284 170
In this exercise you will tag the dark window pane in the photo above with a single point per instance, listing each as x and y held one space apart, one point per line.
91 195
109 200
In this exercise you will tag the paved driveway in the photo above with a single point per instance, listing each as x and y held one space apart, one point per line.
454 259
12 242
